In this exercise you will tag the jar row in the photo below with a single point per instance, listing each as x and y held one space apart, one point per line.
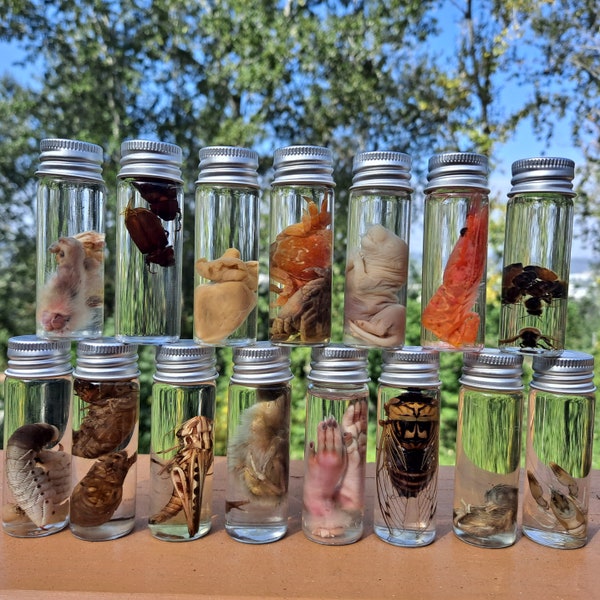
149 235
71 444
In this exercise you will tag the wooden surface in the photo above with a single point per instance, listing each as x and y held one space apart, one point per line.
139 566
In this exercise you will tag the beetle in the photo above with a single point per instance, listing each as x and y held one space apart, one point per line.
161 196
148 234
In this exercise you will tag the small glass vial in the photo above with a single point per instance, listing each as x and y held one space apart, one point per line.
301 246
258 454
537 256
408 435
455 252
488 449
227 240
105 439
559 450
149 243
377 250
337 406
37 462
70 240
182 440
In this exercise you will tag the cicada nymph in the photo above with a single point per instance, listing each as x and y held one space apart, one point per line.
98 495
407 460
39 478
109 419
188 470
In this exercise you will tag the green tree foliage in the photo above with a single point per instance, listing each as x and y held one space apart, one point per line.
348 74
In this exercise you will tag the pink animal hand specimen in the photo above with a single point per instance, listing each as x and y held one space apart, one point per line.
222 306
374 275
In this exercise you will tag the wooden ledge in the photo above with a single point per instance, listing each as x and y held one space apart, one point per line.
139 566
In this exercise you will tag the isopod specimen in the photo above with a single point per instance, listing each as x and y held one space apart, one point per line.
110 418
39 479
98 495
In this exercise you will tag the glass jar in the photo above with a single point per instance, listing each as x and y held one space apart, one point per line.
105 439
455 252
301 246
408 436
182 440
377 250
149 243
488 449
337 406
227 240
537 256
258 458
558 459
70 240
37 462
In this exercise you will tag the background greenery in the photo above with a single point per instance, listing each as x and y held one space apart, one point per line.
414 76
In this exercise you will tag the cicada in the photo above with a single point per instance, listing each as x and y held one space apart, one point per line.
407 458
110 418
188 470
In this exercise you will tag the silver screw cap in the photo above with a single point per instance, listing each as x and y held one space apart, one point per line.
570 373
228 166
337 363
32 357
412 366
457 169
543 174
70 158
493 369
261 364
145 158
106 359
390 170
303 165
185 362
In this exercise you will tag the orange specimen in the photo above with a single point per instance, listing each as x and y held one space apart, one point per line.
301 252
449 313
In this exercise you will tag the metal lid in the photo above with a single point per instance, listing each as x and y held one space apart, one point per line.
543 174
228 165
145 158
381 170
570 373
32 357
303 165
337 363
185 362
106 359
493 369
411 366
457 169
261 364
70 158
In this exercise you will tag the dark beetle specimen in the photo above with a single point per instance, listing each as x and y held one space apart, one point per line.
148 234
161 195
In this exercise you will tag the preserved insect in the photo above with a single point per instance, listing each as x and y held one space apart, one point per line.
69 297
109 418
407 461
148 234
149 243
39 478
449 312
162 196
188 470
496 516
300 271
375 274
222 306
558 460
98 495
530 338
